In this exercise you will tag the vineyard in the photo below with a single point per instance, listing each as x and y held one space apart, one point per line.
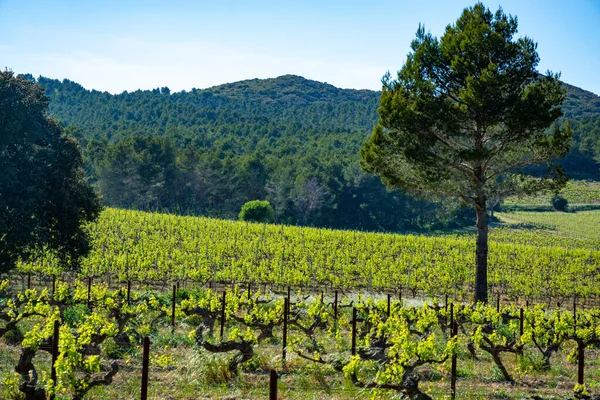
160 248
207 343
338 314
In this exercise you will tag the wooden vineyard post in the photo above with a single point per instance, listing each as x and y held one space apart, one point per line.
446 310
353 331
173 302
249 291
29 281
521 321
273 385
580 361
335 306
286 310
388 305
54 356
89 294
400 297
128 291
575 315
289 296
498 304
223 304
145 365
454 331
53 285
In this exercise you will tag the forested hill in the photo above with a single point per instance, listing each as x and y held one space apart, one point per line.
290 140
242 116
580 103
260 114
582 108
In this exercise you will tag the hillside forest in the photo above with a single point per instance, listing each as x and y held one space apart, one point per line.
288 140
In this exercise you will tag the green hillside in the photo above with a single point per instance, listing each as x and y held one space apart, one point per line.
582 108
247 115
258 114
290 140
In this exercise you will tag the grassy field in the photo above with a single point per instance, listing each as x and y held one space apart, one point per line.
584 225
576 192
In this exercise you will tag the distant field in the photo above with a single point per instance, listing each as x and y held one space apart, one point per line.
576 192
582 225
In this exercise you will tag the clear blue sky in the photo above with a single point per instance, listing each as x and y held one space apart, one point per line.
118 45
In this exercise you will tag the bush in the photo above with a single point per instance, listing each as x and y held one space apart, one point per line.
559 203
257 211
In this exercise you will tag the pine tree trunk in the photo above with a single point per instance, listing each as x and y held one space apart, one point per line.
481 255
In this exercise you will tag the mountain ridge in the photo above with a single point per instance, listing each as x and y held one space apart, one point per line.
289 77
264 110
291 90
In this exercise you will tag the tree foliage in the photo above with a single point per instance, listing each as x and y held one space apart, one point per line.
466 115
44 196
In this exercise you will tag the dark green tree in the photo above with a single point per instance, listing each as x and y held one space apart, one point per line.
466 114
257 211
559 203
44 196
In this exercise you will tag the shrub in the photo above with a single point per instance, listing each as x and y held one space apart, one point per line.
559 203
257 211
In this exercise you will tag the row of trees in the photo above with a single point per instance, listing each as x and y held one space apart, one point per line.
152 173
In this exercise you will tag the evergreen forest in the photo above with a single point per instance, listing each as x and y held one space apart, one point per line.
288 140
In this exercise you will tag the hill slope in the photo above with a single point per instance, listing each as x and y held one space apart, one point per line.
582 108
292 140
242 113
256 114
